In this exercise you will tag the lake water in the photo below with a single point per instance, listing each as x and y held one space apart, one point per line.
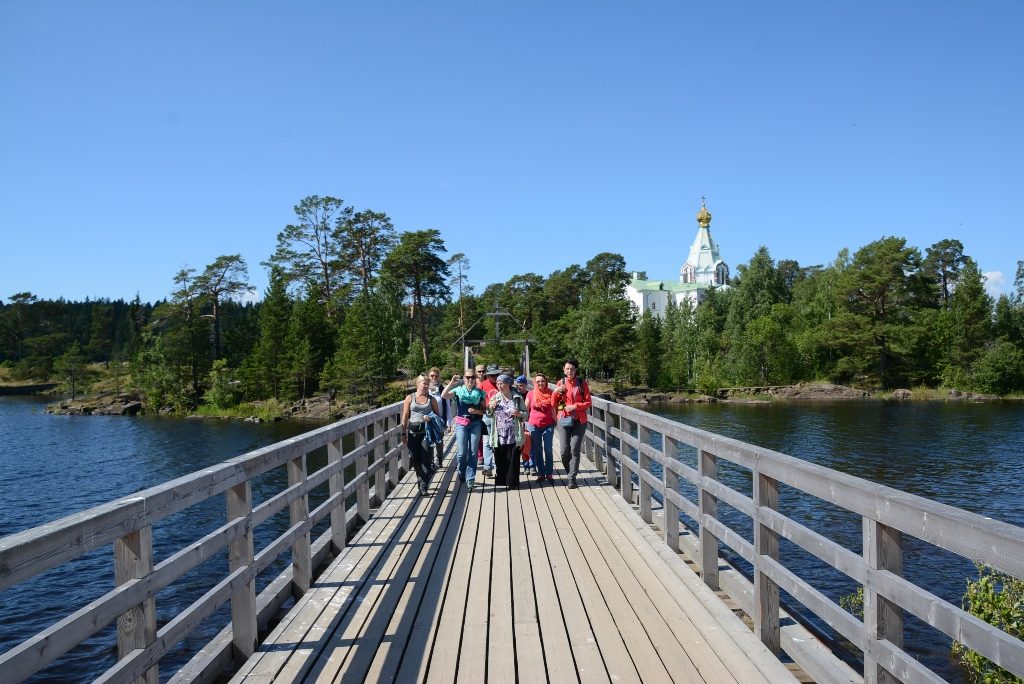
965 455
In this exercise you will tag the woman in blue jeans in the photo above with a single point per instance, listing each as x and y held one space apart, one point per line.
469 409
541 423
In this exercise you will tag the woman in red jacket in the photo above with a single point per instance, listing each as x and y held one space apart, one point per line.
541 410
572 396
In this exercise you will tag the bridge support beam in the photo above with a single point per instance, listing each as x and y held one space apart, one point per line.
883 619
336 487
707 467
136 628
766 544
298 513
240 555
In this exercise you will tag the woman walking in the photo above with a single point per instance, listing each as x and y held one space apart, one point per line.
507 409
469 408
435 388
541 410
417 410
573 399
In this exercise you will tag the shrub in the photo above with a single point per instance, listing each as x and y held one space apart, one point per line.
997 599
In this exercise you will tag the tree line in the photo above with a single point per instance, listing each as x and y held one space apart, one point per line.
352 302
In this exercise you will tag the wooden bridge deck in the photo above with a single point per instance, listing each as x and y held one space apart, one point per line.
537 584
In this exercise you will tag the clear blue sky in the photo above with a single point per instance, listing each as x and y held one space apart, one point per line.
138 138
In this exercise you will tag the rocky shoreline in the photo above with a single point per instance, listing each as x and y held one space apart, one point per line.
804 391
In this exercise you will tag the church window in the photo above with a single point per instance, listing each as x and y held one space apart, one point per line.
721 274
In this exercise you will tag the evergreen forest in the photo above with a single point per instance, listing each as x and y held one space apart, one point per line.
354 305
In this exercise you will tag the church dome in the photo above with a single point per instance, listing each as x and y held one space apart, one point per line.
704 216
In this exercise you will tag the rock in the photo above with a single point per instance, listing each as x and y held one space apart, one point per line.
956 394
820 390
901 394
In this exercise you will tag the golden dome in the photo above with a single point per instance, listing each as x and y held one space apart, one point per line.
703 216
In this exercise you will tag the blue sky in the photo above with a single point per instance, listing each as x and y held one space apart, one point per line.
139 138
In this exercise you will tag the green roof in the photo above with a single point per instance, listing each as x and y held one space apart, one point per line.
668 285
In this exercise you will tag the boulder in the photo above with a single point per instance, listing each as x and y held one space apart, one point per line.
901 394
820 390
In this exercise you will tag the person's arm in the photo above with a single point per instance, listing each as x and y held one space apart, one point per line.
582 398
447 393
405 419
434 407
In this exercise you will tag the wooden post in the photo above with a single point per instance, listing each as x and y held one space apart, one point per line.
298 512
362 465
240 555
613 476
625 476
136 627
336 485
394 463
644 437
670 448
883 619
707 466
379 453
766 543
595 449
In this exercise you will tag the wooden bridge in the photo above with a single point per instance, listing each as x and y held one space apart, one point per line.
540 583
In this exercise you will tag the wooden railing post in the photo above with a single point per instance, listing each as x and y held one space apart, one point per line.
379 454
625 478
394 464
362 465
883 619
336 485
595 449
610 472
240 555
669 449
644 437
298 512
136 627
707 466
766 544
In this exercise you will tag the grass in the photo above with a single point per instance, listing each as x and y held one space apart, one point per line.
268 410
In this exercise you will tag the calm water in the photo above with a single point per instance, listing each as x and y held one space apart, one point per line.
970 456
966 455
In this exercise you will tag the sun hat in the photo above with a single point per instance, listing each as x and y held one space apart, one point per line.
505 378
492 370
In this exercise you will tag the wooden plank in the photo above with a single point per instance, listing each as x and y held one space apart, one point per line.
501 646
766 545
447 637
597 646
354 644
883 619
475 632
421 591
606 601
440 589
667 564
650 595
308 624
558 653
529 652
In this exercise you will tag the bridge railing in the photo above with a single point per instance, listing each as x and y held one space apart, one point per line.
616 432
375 456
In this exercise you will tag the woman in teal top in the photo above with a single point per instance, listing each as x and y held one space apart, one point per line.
469 409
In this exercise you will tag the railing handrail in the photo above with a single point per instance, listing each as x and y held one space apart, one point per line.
886 513
127 523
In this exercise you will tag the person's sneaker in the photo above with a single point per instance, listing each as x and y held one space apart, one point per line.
469 486
572 483
423 490
462 477
541 478
550 478
488 472
437 464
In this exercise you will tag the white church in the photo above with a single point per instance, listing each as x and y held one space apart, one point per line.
703 270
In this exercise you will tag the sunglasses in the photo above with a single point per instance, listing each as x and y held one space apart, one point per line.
469 377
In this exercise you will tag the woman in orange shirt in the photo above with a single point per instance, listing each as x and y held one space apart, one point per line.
541 424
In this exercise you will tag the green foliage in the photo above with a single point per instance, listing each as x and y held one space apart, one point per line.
853 603
997 599
223 386
71 368
1000 370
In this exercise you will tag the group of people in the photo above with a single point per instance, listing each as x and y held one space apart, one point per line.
493 415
